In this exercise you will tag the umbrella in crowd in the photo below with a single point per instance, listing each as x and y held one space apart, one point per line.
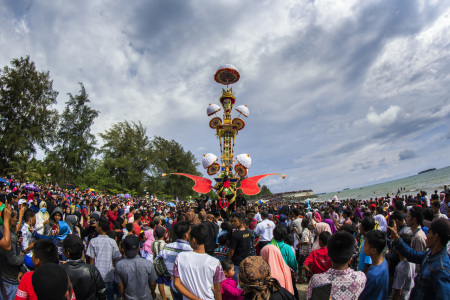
2 180
127 196
261 202
30 187
170 204
91 191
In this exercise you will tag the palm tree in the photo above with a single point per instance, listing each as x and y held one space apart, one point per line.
24 169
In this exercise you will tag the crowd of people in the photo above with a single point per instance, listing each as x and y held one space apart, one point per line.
68 244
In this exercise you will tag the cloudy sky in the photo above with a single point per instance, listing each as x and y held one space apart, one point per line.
342 93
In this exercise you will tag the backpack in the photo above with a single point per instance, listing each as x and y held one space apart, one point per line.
160 266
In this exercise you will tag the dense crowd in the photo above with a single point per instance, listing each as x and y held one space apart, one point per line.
68 244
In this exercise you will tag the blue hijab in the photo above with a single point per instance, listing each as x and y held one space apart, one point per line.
64 230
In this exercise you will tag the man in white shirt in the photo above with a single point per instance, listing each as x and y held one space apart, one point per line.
265 229
257 215
196 274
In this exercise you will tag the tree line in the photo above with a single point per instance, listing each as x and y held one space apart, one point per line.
128 161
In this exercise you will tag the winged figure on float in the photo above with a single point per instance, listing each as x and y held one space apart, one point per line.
231 168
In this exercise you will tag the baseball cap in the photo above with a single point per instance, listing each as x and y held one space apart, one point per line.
131 245
73 242
22 201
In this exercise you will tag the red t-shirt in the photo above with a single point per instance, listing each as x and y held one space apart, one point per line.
253 224
26 291
136 229
318 261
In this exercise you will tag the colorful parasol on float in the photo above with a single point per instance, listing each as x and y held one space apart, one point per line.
231 168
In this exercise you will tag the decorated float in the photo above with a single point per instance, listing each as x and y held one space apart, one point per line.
230 169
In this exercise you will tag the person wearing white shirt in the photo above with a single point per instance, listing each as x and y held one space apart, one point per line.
381 219
257 215
27 239
265 229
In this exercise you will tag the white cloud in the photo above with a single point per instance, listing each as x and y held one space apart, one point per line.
385 117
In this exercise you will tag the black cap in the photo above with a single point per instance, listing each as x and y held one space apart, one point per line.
131 245
50 282
73 242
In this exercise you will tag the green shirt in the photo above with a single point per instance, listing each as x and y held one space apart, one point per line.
287 253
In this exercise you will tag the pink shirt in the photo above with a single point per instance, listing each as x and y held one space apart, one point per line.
230 291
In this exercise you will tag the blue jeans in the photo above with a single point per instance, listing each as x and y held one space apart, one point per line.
11 290
236 275
109 290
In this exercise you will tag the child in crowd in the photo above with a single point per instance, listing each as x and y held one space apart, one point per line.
229 288
318 261
304 247
146 251
254 237
346 283
221 253
159 244
350 228
404 274
367 224
128 230
377 284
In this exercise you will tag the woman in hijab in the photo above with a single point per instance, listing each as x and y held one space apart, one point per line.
57 236
320 227
256 282
66 213
42 217
78 212
358 213
278 267
72 222
327 219
317 217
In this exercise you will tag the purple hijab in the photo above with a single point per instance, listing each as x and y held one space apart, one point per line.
358 213
332 226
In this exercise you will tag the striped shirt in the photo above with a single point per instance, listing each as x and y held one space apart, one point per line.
221 253
171 251
157 246
104 250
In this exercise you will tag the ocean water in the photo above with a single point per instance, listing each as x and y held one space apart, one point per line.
429 182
